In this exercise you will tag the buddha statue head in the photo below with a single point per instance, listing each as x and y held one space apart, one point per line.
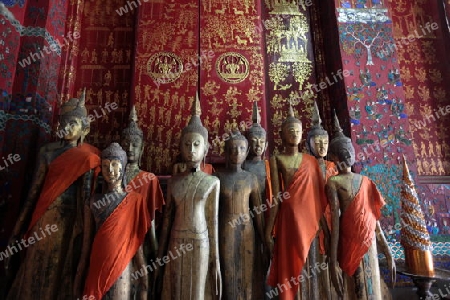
317 139
133 139
291 130
341 149
73 120
236 148
194 138
256 135
114 160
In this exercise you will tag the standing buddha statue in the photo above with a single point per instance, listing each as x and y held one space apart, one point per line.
121 220
318 286
239 192
298 177
63 181
142 182
355 210
191 218
257 139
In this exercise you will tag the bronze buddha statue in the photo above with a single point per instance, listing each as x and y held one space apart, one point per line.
355 210
241 220
142 182
121 221
62 183
191 218
256 164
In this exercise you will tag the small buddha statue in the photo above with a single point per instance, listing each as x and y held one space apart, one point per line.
142 182
190 219
241 219
63 180
121 220
298 205
355 210
257 139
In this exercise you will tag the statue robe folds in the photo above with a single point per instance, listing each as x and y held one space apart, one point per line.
296 226
147 184
357 226
49 267
77 160
115 244
187 275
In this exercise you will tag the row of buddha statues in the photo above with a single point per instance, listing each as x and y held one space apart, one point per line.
293 227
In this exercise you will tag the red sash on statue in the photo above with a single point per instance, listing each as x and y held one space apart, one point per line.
62 172
357 226
297 224
147 184
115 244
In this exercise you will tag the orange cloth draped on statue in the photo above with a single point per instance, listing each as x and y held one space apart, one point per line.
297 224
357 226
62 172
207 168
147 184
115 244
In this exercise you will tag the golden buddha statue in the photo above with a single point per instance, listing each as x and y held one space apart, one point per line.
190 219
142 182
121 220
298 179
355 210
257 140
62 183
240 214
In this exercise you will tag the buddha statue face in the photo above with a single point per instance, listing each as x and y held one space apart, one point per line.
237 151
193 147
319 145
292 134
342 153
133 145
257 144
73 128
112 171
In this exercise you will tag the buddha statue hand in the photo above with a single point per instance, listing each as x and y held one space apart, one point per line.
336 278
270 244
217 278
392 268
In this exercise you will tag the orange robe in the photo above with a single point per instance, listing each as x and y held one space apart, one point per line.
297 224
357 226
115 244
147 184
72 163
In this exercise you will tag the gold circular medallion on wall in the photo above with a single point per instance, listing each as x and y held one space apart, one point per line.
232 67
164 67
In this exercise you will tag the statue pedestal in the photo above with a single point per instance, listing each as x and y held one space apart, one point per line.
423 283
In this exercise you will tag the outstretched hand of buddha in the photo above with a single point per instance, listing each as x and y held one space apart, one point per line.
336 278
